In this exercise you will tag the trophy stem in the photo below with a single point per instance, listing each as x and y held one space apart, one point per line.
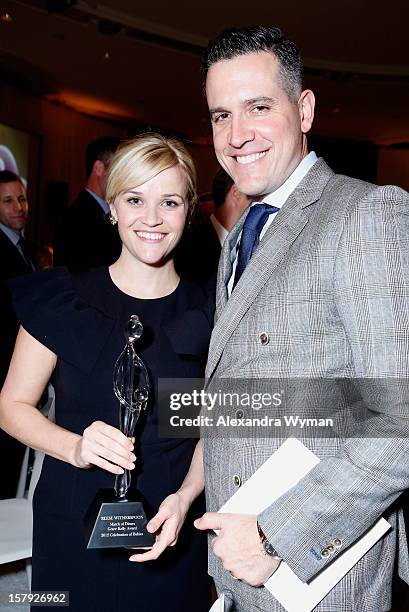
128 418
122 482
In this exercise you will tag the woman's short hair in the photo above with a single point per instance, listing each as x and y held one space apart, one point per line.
142 158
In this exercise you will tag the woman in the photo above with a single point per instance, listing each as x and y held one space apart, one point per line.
73 331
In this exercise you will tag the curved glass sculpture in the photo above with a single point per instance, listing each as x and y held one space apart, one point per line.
131 387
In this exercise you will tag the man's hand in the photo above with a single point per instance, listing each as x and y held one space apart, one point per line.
238 546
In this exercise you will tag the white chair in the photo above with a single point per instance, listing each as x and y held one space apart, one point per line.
16 525
16 516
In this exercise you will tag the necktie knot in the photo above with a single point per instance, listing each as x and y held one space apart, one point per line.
250 237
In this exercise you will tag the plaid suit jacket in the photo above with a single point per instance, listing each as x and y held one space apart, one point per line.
329 289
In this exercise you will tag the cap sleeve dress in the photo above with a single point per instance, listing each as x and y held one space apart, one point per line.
81 318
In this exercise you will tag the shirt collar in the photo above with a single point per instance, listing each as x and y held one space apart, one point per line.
100 201
220 230
281 195
11 234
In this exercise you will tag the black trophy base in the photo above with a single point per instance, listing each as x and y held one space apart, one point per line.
114 523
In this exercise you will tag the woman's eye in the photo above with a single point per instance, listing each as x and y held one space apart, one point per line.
169 204
134 201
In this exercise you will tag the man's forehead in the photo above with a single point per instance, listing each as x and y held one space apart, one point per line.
242 75
11 187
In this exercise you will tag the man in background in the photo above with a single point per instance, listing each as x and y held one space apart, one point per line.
15 259
198 254
84 239
16 256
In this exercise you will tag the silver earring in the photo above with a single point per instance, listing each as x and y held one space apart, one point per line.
111 219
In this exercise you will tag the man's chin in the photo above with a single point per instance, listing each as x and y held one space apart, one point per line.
252 189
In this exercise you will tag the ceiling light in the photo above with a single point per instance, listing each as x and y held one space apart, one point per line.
6 17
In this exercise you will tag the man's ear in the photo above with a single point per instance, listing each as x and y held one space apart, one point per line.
306 106
234 192
99 168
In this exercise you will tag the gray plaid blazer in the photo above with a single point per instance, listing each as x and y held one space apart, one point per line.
325 296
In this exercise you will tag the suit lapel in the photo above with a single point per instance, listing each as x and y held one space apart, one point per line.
281 234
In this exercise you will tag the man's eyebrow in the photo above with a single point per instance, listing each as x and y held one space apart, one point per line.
260 100
218 109
249 102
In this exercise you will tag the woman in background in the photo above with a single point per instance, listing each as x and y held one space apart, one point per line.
73 331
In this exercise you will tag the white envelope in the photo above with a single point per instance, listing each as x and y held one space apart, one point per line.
279 473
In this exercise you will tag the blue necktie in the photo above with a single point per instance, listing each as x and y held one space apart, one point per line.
250 236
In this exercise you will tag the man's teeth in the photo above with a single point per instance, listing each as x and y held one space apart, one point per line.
248 159
150 235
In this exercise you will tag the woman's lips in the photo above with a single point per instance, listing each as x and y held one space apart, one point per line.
150 236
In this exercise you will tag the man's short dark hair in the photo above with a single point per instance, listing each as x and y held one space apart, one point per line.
6 176
242 41
221 186
100 149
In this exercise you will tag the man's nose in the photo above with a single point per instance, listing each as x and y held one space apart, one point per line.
19 206
240 132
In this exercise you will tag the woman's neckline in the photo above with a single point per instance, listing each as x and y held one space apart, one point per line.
133 297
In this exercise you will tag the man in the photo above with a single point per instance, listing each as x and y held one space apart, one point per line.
16 256
324 296
84 239
198 254
15 259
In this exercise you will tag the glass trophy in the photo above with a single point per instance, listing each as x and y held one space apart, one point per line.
117 517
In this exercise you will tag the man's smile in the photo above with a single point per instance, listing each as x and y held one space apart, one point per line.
251 158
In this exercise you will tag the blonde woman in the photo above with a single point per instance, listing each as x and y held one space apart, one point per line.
72 331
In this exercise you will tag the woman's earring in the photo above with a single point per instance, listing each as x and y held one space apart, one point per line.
109 218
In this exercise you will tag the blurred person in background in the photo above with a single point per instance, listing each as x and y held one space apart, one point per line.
84 238
198 254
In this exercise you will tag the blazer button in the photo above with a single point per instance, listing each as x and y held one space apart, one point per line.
239 414
264 338
325 552
237 480
337 543
331 548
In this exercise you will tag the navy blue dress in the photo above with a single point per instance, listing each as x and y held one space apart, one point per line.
81 317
